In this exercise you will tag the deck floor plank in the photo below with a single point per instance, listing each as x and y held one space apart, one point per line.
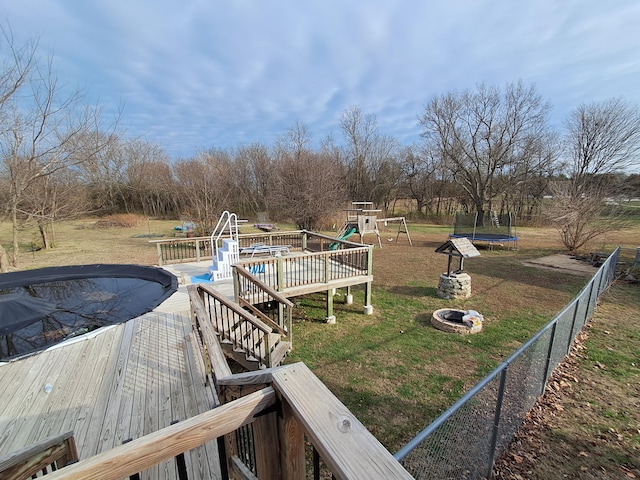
89 418
16 421
104 419
202 459
82 383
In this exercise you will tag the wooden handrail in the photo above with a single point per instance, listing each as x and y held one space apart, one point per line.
59 450
348 449
215 354
346 446
145 452
255 280
259 324
258 314
333 239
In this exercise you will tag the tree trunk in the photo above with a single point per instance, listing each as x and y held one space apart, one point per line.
14 223
4 260
46 244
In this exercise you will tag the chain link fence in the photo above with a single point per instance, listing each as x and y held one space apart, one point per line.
466 439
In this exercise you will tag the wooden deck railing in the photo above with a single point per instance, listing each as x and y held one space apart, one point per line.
196 249
142 453
299 270
263 301
245 334
45 457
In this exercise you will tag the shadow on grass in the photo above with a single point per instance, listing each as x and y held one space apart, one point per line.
414 291
424 319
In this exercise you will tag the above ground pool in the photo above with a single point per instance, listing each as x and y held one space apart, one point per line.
39 308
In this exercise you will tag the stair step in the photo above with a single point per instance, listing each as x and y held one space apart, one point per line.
278 353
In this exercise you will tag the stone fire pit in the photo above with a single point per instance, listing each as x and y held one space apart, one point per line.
453 320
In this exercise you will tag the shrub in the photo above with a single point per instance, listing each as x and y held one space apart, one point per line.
123 220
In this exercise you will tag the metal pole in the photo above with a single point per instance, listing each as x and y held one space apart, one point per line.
496 422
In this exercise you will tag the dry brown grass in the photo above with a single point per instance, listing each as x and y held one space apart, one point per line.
88 241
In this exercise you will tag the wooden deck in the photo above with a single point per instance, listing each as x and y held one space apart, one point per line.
126 381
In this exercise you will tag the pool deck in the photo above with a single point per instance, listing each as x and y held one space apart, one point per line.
118 383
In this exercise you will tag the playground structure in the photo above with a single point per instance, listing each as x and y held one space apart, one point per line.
491 228
362 220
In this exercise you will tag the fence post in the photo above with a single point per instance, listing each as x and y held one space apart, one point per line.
573 324
549 353
496 421
589 308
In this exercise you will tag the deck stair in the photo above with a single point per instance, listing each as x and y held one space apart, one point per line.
251 339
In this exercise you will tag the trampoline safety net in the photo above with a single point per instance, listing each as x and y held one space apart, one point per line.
491 225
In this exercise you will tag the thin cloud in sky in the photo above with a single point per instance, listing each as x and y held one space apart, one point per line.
199 74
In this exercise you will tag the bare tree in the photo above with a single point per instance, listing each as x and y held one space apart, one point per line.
45 130
370 157
205 187
51 198
253 166
602 138
150 185
306 186
106 175
419 167
485 133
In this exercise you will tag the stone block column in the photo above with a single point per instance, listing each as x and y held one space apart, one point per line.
454 286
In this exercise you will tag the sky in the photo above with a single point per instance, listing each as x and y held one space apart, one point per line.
196 74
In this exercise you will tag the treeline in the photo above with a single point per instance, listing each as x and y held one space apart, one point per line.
290 182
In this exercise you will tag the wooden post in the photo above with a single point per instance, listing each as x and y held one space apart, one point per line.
330 318
280 273
265 434
236 284
197 250
348 298
304 241
291 439
159 254
326 269
368 308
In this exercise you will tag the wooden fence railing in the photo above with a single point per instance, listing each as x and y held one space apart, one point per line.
196 249
45 457
283 417
294 271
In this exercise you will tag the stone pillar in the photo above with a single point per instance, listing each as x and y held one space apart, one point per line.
454 286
